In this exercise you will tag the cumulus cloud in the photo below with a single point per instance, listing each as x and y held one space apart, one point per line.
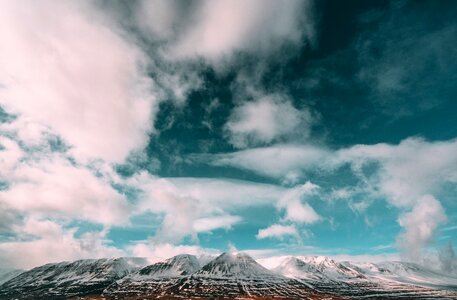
277 231
296 210
268 119
55 187
420 224
217 30
45 241
448 259
66 67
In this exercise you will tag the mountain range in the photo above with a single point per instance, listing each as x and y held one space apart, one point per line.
230 275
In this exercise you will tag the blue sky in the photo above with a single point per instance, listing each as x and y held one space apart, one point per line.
152 128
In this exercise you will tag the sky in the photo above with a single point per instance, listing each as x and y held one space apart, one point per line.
275 127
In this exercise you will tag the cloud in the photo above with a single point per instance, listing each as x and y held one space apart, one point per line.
67 67
399 55
277 231
55 187
46 241
296 210
409 170
212 223
156 252
217 30
159 18
192 205
277 161
403 172
420 225
11 152
407 175
50 185
265 120
448 259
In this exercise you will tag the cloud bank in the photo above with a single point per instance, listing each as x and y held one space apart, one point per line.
65 66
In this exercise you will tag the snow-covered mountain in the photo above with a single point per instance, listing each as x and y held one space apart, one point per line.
154 278
81 277
406 272
386 280
176 266
234 265
7 274
230 275
317 268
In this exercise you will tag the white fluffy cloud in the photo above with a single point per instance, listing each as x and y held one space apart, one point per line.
296 209
420 225
268 119
45 241
67 68
277 231
54 187
220 28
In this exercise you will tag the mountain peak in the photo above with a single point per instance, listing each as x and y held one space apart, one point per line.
234 264
317 268
179 265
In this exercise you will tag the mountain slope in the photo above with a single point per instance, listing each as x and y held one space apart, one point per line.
81 277
154 278
176 266
317 268
234 265
409 273
7 274
229 275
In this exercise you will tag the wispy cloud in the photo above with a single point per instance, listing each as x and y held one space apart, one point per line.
407 175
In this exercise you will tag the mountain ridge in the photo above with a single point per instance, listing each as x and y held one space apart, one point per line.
231 275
